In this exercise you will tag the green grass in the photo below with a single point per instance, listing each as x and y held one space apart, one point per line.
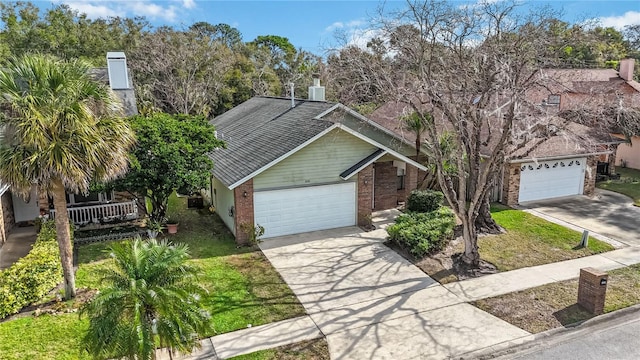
530 241
45 337
628 184
243 286
554 305
317 349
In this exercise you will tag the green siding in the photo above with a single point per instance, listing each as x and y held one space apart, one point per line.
320 162
223 201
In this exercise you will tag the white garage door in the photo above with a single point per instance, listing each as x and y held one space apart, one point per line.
551 179
292 211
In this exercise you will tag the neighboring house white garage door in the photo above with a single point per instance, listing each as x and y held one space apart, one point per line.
551 179
297 210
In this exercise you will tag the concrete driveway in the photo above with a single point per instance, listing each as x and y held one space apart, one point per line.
371 303
608 213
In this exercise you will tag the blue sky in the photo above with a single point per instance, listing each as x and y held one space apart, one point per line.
311 24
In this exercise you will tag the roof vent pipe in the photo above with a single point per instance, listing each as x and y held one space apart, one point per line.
292 86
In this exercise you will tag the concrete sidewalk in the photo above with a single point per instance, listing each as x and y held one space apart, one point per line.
18 244
526 278
250 340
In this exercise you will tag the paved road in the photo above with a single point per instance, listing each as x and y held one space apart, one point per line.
613 339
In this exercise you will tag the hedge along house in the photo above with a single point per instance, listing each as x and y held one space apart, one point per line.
296 166
83 208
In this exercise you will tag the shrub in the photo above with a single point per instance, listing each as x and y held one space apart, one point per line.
33 276
424 201
423 233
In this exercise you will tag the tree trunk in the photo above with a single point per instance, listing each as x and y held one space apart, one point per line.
64 239
471 256
485 223
159 204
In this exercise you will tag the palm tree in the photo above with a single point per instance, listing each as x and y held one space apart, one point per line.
417 125
152 296
62 130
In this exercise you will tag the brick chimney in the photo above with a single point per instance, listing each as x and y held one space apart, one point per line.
626 69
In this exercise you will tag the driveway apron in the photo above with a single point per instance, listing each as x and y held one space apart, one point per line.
608 213
371 303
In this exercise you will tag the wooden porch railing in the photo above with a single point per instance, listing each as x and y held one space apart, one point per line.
82 215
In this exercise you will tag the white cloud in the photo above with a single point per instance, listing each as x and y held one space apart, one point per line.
335 26
361 37
94 11
152 10
353 32
148 8
618 22
189 4
353 24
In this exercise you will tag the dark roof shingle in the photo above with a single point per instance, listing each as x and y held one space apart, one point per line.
261 130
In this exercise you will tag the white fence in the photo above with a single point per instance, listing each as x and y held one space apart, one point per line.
102 213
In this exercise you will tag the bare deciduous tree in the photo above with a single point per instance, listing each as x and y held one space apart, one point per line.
466 71
180 73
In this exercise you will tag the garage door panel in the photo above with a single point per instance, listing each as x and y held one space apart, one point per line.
291 211
550 179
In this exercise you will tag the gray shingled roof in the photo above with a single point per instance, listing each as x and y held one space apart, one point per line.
127 96
261 130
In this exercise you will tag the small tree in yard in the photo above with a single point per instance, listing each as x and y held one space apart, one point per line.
465 71
61 130
152 296
171 155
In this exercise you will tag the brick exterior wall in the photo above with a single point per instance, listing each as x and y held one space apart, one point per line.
386 186
410 183
612 159
7 219
243 206
365 195
590 176
386 190
511 184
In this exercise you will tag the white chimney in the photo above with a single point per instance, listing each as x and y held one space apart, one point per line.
626 69
117 69
316 92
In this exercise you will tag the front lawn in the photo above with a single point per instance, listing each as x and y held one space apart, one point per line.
317 349
554 305
244 289
44 337
528 241
628 184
